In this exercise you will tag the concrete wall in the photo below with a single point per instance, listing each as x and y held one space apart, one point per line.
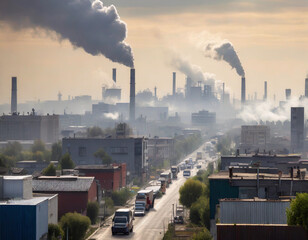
53 209
41 219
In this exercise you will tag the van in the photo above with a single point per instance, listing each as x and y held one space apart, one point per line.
122 221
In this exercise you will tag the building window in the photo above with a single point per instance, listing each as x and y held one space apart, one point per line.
82 151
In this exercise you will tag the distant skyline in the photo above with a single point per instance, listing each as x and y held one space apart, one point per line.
270 37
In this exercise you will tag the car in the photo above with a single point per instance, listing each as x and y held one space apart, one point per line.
178 219
198 166
139 210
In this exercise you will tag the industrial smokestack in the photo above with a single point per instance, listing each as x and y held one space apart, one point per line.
223 92
265 90
243 96
306 87
114 75
155 92
132 96
288 93
14 95
174 83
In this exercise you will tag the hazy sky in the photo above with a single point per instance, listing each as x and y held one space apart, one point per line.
270 37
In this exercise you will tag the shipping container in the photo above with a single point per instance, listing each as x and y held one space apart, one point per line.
24 219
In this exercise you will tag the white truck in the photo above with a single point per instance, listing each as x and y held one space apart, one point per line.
145 197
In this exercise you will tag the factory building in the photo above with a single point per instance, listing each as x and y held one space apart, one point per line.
203 118
29 127
297 129
132 151
254 137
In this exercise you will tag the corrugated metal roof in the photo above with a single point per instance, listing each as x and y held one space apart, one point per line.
77 184
254 212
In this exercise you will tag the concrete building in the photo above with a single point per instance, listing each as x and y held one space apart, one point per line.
160 149
297 129
29 127
203 118
279 161
73 192
227 184
254 137
19 187
111 178
132 151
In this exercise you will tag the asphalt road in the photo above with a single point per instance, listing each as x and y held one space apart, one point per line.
153 225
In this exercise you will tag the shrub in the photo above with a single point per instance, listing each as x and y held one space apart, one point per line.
76 225
50 170
297 214
202 235
120 197
54 232
92 211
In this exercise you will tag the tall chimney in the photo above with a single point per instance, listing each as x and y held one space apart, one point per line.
223 92
155 92
114 75
243 96
174 83
14 95
132 96
265 90
288 93
306 87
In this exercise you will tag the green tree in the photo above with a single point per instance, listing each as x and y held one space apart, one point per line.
2 161
297 214
120 197
106 159
54 232
12 149
38 156
92 211
75 224
200 212
50 170
38 146
56 151
190 192
202 235
95 132
66 162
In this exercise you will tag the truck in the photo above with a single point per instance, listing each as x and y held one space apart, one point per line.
175 170
199 156
167 176
179 215
122 221
163 185
146 197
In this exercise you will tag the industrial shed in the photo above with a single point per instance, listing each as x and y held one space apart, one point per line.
73 192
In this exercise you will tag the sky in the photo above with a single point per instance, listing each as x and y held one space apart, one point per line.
270 38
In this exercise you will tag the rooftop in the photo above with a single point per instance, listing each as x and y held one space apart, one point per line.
252 200
23 202
62 184
17 177
253 176
96 167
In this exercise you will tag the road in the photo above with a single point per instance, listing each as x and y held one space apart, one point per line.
155 222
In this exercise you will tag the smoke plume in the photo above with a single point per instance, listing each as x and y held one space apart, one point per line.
224 50
266 111
85 23
195 72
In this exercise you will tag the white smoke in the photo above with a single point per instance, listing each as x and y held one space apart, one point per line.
224 50
85 23
267 111
195 72
113 116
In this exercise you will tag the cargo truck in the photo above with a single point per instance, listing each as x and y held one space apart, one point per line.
174 170
122 221
146 197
